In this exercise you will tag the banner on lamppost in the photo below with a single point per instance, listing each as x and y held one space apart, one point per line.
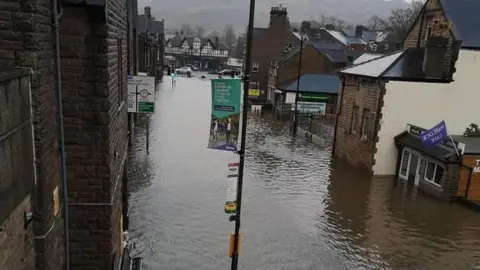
225 116
231 198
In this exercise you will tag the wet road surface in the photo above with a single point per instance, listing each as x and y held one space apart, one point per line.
300 211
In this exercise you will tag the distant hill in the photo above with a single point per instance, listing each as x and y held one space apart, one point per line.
215 14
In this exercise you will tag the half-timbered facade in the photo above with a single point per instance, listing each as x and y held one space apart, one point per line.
205 53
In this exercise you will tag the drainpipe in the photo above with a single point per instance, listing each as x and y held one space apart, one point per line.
58 84
339 110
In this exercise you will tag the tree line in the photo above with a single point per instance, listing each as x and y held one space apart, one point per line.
398 22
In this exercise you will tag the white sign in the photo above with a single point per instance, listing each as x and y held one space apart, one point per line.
144 100
476 169
232 178
132 98
311 107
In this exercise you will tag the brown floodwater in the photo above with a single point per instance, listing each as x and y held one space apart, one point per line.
300 211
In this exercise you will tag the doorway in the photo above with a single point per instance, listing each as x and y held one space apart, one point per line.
410 166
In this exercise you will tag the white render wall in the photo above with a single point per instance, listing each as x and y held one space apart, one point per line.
426 104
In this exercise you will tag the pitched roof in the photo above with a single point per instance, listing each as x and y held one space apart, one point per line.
374 68
178 40
366 57
465 18
258 31
315 83
402 65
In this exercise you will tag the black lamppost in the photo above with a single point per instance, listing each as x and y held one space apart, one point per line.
299 74
241 152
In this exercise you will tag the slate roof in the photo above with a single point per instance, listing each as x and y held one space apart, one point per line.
315 83
464 15
472 144
258 31
440 152
402 65
366 57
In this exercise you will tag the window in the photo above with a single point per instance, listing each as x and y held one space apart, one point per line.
355 120
434 173
368 124
254 66
121 94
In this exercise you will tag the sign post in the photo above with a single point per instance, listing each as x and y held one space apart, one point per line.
141 98
243 135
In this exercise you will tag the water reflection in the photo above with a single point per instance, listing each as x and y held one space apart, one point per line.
301 211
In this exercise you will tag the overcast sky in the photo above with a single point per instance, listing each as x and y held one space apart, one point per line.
215 14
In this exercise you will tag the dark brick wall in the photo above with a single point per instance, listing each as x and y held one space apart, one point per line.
26 40
348 146
94 65
268 45
312 62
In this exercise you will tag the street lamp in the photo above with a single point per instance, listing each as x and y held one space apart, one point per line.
241 152
295 117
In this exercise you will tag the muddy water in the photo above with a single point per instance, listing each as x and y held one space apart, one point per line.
301 211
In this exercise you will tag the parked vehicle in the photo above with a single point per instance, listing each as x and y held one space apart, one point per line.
193 67
183 70
225 72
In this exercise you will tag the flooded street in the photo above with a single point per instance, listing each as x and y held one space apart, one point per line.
299 211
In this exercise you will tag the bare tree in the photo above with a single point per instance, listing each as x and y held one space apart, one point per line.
400 20
200 31
229 37
213 35
187 29
332 21
376 23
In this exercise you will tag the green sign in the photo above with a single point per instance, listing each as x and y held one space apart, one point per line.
146 107
312 97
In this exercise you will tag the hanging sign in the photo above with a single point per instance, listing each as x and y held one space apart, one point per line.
225 116
232 178
141 94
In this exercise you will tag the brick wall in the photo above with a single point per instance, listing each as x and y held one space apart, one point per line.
268 45
94 65
350 146
26 40
312 62
417 34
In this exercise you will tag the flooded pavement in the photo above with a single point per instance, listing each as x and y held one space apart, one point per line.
300 211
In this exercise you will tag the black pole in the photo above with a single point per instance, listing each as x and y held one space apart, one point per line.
295 119
246 84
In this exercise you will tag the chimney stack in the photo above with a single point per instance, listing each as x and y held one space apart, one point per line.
359 31
434 65
279 18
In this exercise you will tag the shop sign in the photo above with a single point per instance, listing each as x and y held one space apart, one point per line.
312 97
253 92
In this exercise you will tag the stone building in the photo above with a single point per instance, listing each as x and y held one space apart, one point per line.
428 81
94 62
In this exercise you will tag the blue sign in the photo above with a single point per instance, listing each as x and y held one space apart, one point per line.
435 135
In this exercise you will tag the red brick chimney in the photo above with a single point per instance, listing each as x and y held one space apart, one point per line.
279 18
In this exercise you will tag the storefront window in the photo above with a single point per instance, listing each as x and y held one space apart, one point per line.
434 173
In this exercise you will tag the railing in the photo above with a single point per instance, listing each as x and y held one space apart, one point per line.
129 263
313 124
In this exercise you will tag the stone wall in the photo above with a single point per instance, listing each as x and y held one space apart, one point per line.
27 41
349 145
94 65
17 177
